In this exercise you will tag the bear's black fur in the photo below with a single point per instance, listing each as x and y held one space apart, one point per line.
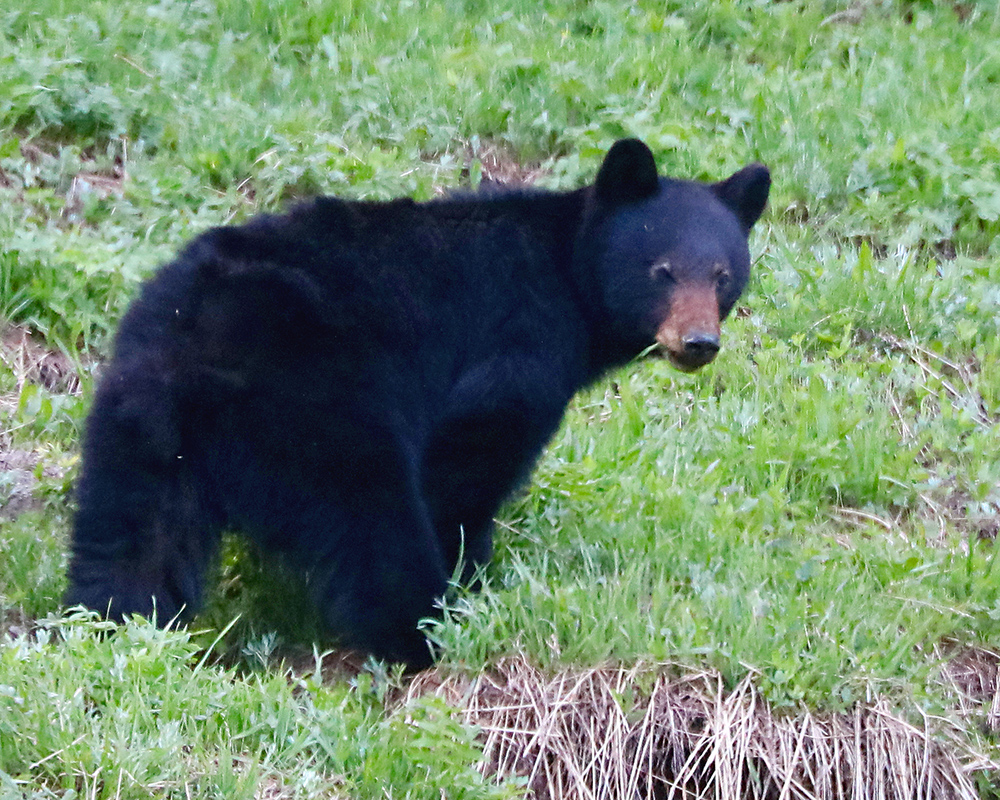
359 385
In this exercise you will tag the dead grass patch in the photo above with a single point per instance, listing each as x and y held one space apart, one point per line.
18 470
32 362
972 674
15 623
643 733
500 167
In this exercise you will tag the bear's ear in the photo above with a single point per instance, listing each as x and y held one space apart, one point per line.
628 173
745 192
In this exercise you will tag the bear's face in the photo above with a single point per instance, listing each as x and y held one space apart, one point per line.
671 256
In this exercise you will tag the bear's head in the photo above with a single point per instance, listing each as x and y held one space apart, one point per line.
669 257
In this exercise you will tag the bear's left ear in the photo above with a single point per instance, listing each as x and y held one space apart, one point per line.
745 192
628 173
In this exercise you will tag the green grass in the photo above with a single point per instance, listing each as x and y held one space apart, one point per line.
139 713
818 508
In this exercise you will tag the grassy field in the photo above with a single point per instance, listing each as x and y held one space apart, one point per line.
808 526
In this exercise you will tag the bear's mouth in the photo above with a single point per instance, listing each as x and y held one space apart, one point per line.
690 336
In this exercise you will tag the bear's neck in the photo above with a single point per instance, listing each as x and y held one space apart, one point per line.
554 222
557 220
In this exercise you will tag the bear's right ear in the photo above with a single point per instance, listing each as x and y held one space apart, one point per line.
745 192
628 173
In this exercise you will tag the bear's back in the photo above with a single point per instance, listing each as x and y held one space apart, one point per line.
368 297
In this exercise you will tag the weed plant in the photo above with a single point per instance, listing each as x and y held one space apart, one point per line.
817 509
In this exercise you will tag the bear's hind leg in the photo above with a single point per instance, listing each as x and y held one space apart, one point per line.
142 535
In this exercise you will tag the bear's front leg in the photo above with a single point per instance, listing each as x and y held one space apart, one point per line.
498 419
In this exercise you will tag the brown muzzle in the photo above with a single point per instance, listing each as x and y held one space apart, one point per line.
690 334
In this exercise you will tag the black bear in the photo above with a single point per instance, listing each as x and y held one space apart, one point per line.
359 385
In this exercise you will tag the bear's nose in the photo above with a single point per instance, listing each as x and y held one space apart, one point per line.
699 348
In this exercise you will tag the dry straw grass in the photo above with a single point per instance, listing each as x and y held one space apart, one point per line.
612 733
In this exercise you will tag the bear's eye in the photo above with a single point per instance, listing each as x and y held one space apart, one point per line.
722 275
661 271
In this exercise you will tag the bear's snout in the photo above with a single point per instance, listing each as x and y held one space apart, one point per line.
690 335
699 348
